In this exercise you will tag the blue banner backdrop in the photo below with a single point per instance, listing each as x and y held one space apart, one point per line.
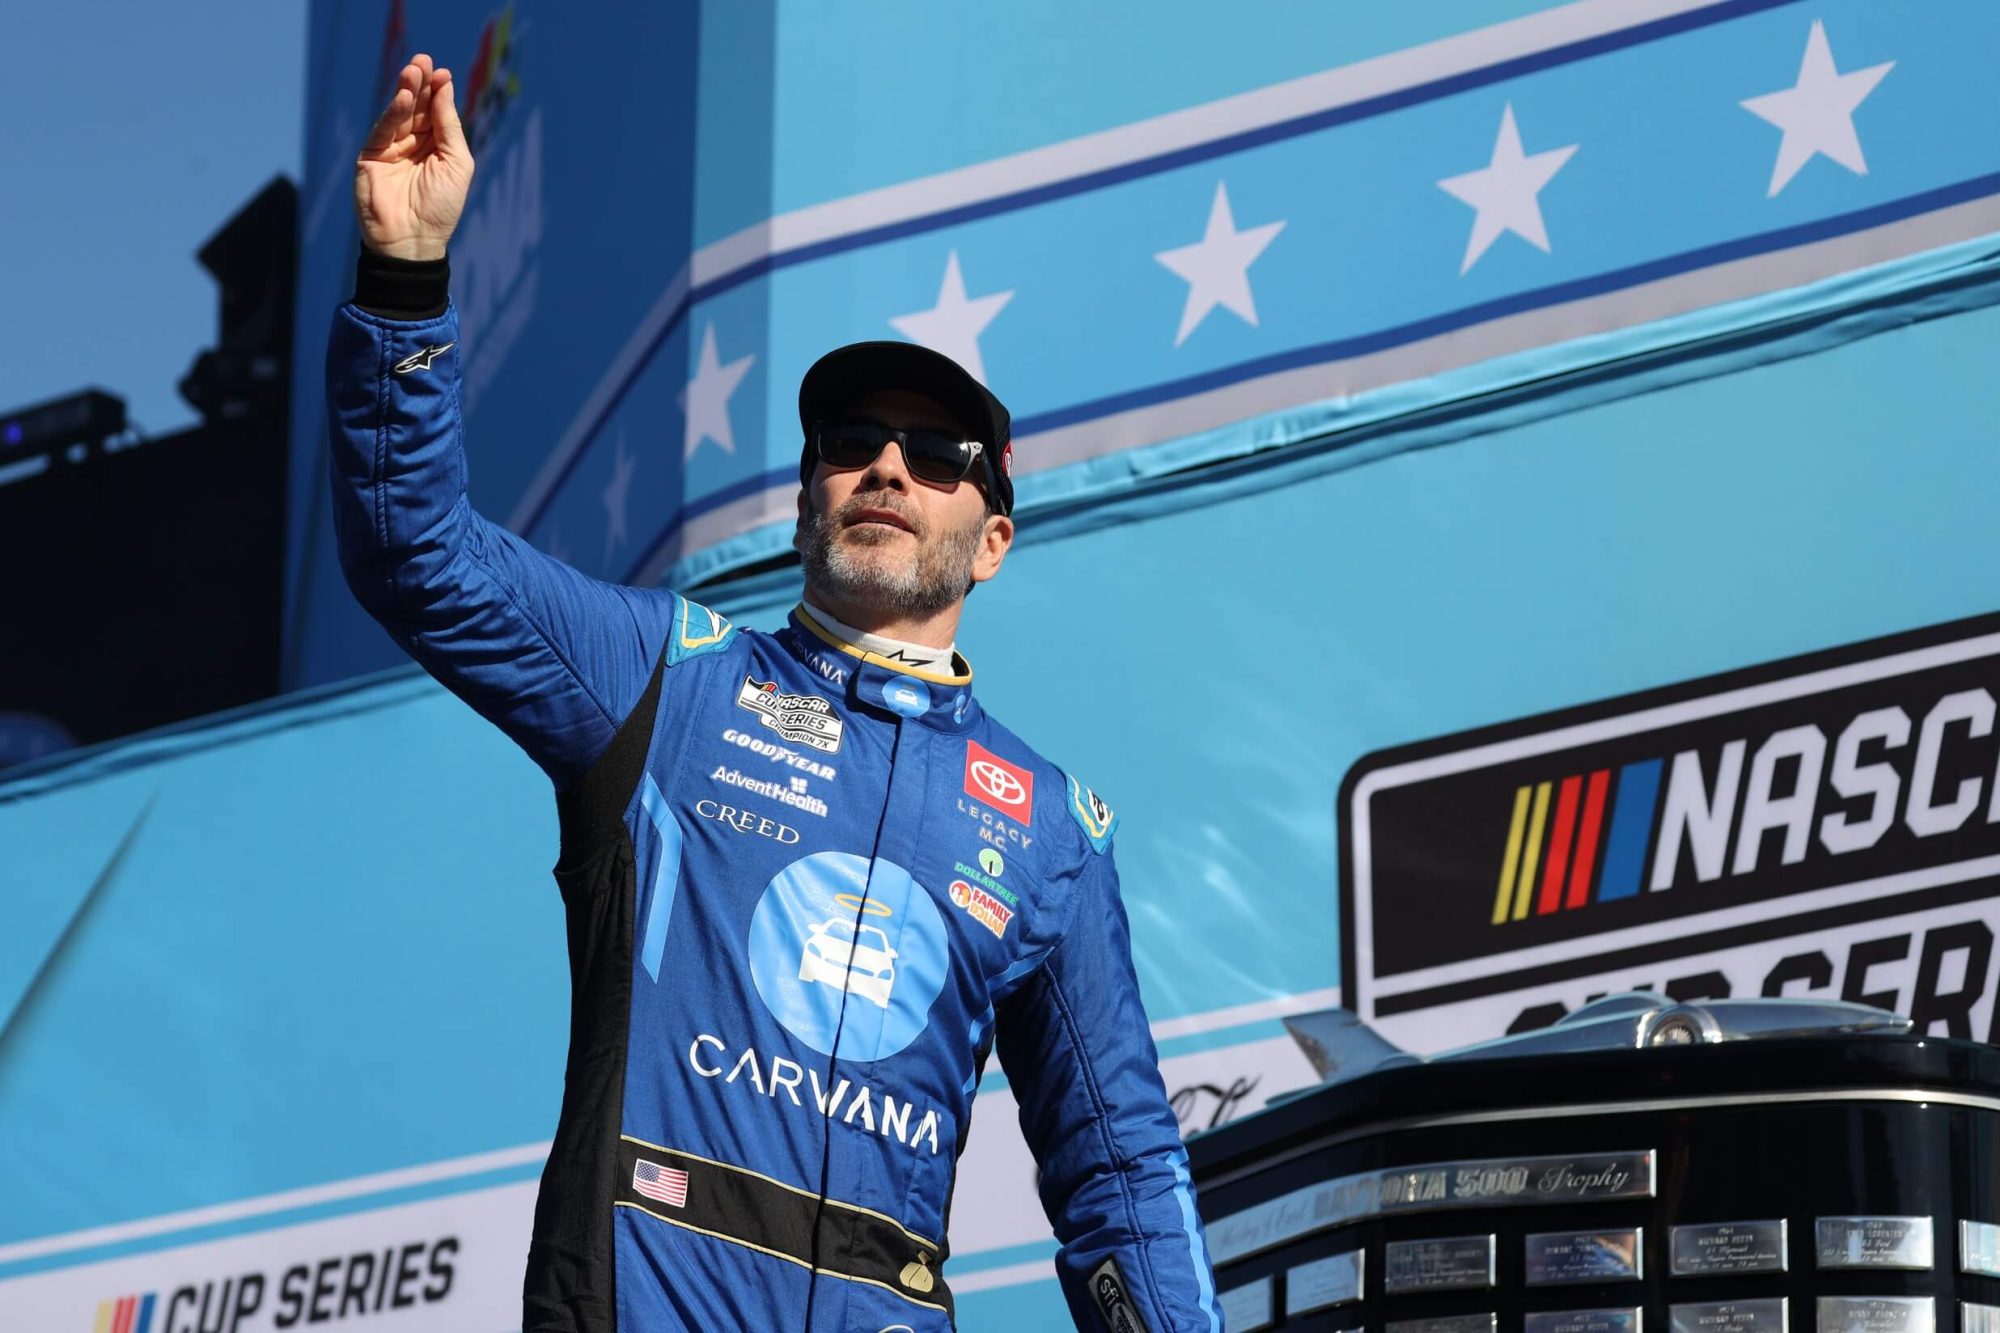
1382 383
318 943
1219 277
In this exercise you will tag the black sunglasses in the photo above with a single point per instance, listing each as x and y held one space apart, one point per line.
932 455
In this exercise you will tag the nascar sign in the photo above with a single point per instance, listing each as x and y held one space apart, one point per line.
1825 826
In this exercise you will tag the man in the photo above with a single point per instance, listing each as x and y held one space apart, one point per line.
809 883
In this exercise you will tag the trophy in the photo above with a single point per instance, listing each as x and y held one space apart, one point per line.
1728 1166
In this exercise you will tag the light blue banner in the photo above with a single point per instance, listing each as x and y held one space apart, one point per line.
1216 277
318 942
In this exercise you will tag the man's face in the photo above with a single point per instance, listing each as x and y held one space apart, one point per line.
884 539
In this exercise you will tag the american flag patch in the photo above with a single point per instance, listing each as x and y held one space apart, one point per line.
661 1182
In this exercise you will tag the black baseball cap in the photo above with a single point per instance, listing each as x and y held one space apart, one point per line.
837 379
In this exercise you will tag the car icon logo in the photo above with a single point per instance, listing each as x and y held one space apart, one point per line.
850 957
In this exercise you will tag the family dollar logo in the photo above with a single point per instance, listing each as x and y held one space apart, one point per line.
1609 839
126 1314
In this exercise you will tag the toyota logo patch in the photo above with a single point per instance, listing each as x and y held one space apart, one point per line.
993 781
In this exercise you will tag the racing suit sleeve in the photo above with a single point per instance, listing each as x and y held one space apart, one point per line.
554 658
1074 1042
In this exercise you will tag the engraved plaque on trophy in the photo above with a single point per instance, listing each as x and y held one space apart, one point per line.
1447 1263
1555 1258
1247 1308
1334 1280
1873 1242
1625 1319
1512 1181
1487 1182
1979 1248
1728 1247
1450 1323
1976 1318
1877 1314
1765 1316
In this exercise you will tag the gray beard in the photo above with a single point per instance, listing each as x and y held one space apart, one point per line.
936 578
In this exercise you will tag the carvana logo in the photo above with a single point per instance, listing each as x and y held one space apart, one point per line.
832 953
907 697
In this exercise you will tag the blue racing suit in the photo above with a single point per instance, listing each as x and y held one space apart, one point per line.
808 891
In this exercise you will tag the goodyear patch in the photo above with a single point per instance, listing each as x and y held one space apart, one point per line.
696 630
1092 815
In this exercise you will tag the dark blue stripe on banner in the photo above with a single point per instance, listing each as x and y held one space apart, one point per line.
1343 348
1312 123
1415 95
1340 349
1631 826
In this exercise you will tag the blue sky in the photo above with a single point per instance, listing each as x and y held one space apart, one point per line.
134 130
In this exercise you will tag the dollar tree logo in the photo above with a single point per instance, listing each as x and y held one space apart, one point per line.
990 862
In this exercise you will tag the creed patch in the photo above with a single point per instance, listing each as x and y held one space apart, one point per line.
1107 1288
982 907
803 719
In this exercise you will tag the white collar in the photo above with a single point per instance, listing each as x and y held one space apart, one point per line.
921 656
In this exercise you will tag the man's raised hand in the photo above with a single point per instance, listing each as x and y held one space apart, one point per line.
411 178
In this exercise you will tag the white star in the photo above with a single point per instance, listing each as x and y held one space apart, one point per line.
623 465
954 324
1217 267
705 401
1817 112
1504 192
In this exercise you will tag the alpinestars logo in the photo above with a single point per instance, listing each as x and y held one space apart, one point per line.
421 360
803 719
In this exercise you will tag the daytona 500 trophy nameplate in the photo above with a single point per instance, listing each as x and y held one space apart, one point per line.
1727 1247
1877 1314
1448 1263
1624 1319
1979 1248
1495 1182
1504 1181
1555 1258
1334 1280
1873 1242
1766 1316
